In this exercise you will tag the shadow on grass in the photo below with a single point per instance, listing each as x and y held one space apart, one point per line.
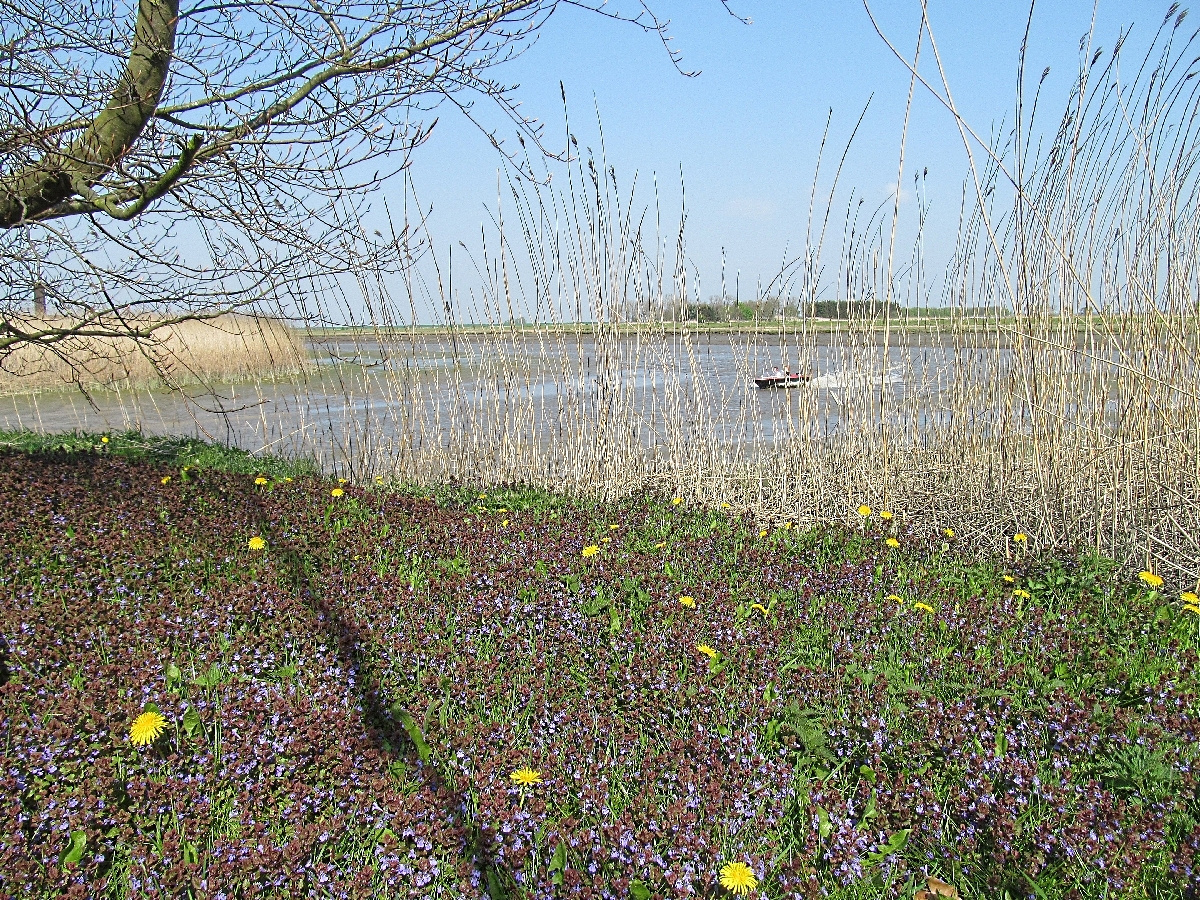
385 732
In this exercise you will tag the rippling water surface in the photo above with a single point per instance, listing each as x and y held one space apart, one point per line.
425 390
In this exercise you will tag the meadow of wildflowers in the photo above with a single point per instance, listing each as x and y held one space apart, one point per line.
218 684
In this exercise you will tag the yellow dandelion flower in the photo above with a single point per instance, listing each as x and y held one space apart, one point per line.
591 550
787 526
614 527
762 609
1190 597
605 540
1009 579
483 496
1020 537
864 510
687 601
526 776
923 606
726 506
260 480
948 532
892 542
336 492
763 533
707 650
166 479
146 728
885 515
1151 579
379 480
738 878
104 440
343 481
1024 595
257 543
502 509
504 524
676 501
1192 608
660 545
287 480
895 597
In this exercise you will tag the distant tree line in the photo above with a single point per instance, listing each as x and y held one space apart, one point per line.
852 309
773 308
730 309
969 312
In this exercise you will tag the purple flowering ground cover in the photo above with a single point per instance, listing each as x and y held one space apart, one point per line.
345 708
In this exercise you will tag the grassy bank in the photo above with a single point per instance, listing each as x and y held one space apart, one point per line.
352 702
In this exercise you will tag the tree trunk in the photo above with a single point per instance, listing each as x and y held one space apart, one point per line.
60 174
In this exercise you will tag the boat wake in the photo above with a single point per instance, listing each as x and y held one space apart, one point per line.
855 380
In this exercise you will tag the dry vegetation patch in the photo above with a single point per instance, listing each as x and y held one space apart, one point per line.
229 347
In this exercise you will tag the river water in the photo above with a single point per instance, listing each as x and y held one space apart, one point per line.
431 390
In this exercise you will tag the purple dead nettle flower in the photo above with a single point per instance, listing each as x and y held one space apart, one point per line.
620 706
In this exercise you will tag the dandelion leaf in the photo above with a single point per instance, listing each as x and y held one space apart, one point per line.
414 732
192 722
74 850
210 679
558 862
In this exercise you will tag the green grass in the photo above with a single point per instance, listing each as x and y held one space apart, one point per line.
176 452
869 714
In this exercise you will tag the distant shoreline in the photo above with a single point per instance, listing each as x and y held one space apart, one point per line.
912 324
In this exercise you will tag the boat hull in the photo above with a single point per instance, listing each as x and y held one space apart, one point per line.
782 381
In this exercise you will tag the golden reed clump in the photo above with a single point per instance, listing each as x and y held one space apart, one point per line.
230 347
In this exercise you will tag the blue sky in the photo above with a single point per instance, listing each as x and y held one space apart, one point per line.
745 132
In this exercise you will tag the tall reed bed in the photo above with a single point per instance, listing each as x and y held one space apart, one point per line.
1068 415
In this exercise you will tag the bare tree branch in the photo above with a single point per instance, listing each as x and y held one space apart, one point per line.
162 160
29 193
